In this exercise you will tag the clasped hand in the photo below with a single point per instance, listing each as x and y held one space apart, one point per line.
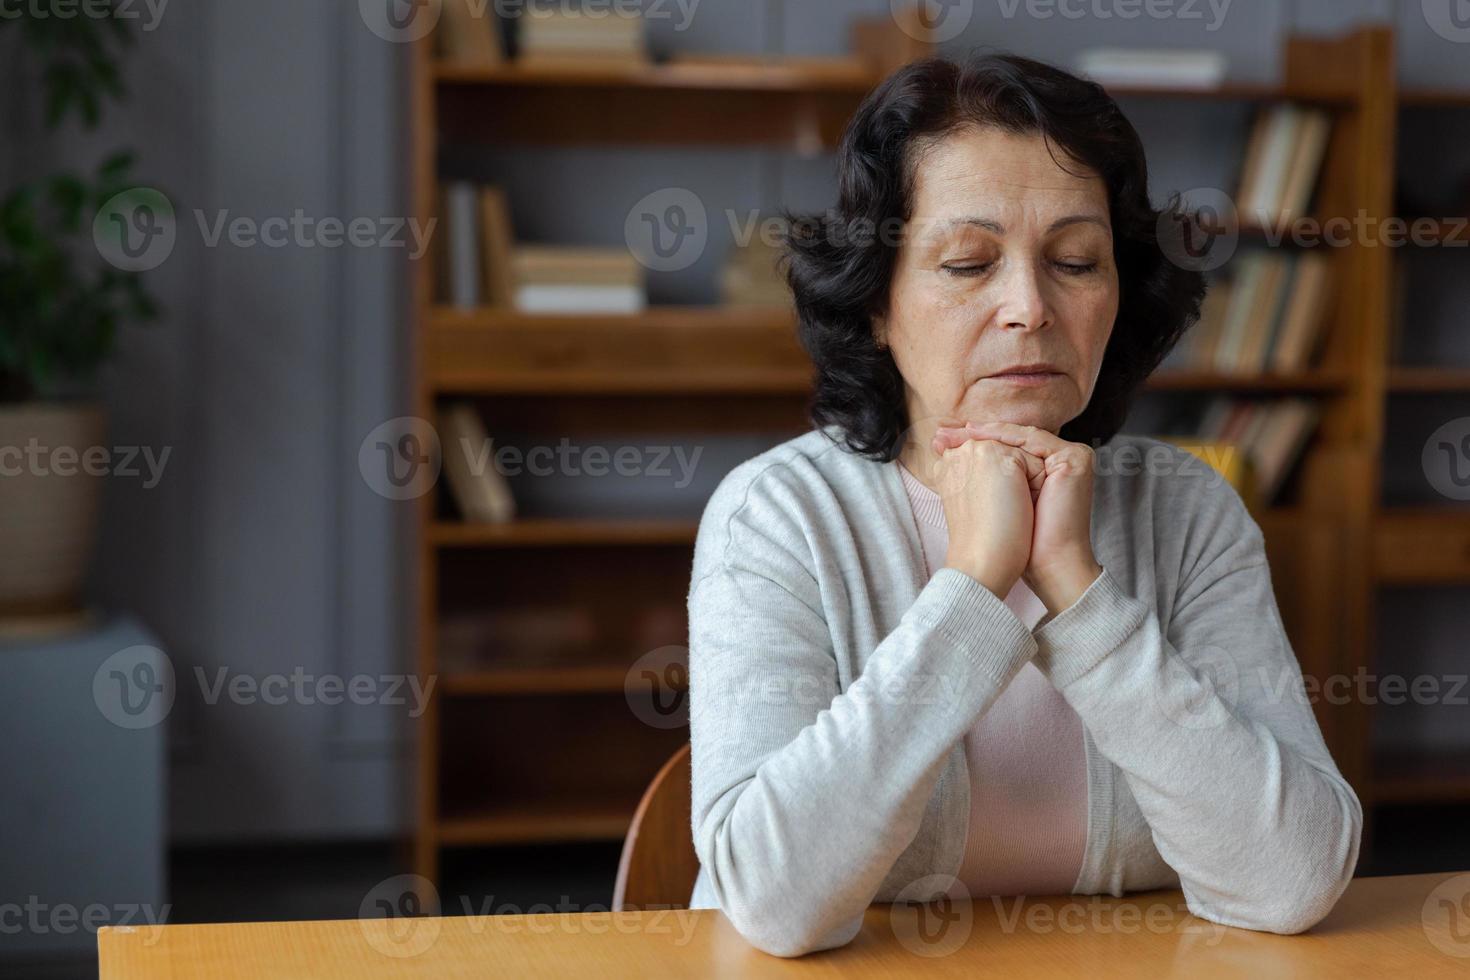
1018 503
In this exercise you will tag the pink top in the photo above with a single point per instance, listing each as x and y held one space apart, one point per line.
1028 767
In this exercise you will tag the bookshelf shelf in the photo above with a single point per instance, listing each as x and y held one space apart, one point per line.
801 75
1235 92
1429 380
1422 546
587 678
669 350
1444 98
540 821
1318 381
654 318
562 532
849 76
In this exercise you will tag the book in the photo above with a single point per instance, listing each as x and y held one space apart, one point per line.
497 240
1269 316
1154 67
568 37
581 265
577 279
1271 434
469 33
1283 162
1265 308
752 276
461 207
571 298
1259 204
480 491
1282 442
1244 297
1295 197
1305 315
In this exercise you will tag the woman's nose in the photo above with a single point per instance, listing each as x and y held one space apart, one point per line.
1022 303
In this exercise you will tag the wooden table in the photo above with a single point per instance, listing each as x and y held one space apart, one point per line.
1415 926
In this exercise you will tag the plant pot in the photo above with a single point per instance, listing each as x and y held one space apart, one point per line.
48 504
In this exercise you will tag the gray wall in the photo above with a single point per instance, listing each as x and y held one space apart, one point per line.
262 551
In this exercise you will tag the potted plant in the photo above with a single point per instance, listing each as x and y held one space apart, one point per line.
61 304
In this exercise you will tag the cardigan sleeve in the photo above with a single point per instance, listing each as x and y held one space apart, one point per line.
1209 724
805 793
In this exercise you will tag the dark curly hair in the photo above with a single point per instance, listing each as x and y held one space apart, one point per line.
841 281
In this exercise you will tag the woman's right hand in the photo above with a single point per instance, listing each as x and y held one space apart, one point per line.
988 491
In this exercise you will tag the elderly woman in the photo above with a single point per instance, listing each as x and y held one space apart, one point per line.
935 644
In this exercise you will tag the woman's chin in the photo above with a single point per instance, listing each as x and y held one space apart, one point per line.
1040 412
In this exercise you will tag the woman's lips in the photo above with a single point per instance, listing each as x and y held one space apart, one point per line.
1029 378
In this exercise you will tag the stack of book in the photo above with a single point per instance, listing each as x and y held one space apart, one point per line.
1268 318
482 266
752 276
1282 163
1272 435
475 266
1153 67
550 279
469 33
555 36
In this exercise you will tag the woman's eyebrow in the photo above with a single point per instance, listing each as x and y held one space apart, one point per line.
990 224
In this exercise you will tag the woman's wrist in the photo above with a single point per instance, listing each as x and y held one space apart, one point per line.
1060 587
992 579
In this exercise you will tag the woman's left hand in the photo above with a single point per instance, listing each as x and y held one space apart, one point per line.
1062 563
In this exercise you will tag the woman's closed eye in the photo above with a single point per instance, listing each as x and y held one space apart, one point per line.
970 269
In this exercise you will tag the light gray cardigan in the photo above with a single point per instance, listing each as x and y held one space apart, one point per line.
831 682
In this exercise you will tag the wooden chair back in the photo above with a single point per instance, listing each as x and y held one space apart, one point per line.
658 866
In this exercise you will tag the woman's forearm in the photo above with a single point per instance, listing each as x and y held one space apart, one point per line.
1219 749
805 794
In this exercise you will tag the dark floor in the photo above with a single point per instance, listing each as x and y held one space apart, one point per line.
332 881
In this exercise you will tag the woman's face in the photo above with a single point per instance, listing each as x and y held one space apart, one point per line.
1007 264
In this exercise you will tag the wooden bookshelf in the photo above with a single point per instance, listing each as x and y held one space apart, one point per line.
1436 98
1412 546
1430 380
579 775
676 350
1422 546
